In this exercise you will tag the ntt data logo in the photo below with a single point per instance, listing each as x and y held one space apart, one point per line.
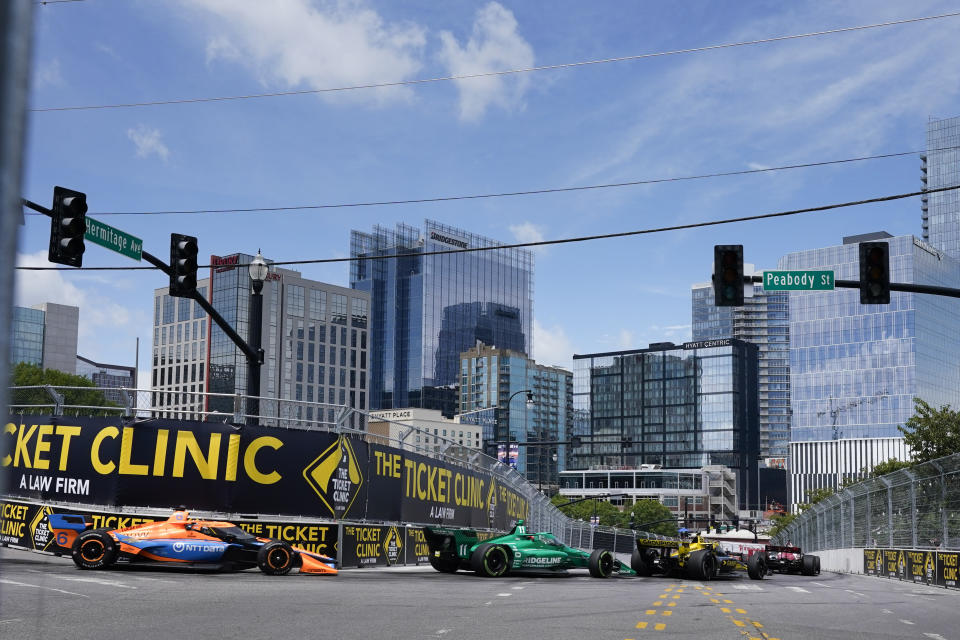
181 547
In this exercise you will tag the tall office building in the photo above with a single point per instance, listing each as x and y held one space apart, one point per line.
46 334
679 406
108 376
764 320
489 378
428 308
315 342
941 168
855 368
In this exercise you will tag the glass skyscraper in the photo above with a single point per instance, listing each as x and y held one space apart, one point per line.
855 368
679 406
941 168
763 320
489 377
427 308
27 343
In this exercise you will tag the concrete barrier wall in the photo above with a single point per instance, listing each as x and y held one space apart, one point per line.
841 560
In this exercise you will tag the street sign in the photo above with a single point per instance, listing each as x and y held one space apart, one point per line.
798 280
113 239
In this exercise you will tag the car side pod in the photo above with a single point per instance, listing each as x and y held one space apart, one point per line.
66 527
314 563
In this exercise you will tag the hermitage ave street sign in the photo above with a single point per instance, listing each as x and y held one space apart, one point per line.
113 239
798 281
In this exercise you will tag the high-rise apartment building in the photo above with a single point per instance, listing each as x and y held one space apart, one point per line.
764 320
679 406
430 301
489 378
855 368
941 168
315 341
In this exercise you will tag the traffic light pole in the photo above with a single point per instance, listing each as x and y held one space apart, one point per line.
252 354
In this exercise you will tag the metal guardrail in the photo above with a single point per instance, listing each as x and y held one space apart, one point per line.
293 414
915 508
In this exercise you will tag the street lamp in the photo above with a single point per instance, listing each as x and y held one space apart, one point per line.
499 435
258 275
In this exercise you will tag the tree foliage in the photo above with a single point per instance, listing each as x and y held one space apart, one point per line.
643 511
32 375
932 433
889 466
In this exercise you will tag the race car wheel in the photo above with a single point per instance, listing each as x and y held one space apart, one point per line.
757 566
490 560
817 568
643 561
701 565
94 550
445 565
809 565
276 558
600 563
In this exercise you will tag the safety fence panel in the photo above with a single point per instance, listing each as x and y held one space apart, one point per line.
915 508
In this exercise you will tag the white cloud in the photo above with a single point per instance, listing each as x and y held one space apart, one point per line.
528 232
99 316
48 74
147 142
553 346
494 45
293 43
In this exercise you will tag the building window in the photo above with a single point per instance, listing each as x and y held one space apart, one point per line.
359 312
295 300
338 309
318 305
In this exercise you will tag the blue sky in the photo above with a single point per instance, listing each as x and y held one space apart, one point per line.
807 100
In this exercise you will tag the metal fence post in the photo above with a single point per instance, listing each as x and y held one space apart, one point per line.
890 515
57 400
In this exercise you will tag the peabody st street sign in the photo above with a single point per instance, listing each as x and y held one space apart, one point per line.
798 281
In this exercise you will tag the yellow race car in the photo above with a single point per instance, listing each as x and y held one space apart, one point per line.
694 558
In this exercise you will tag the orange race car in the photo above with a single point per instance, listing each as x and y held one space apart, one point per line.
182 542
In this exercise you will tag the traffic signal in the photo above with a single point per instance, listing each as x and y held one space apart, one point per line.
874 273
728 275
183 265
68 226
627 443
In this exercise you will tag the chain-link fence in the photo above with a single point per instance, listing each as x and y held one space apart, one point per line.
916 508
542 515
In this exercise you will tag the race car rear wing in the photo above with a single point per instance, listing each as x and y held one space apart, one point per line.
776 549
65 527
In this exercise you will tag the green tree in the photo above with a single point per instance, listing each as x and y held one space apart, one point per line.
931 433
889 466
651 511
610 516
32 375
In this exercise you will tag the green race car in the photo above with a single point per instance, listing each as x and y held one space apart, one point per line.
455 549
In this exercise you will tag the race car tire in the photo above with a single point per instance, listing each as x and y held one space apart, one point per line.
643 561
445 565
490 561
601 563
817 570
94 550
757 566
276 558
809 565
701 565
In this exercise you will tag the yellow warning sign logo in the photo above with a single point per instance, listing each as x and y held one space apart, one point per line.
40 534
335 477
392 546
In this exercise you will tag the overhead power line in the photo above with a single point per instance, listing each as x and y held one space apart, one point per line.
509 194
487 74
543 243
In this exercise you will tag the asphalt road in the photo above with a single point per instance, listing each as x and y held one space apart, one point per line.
47 597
